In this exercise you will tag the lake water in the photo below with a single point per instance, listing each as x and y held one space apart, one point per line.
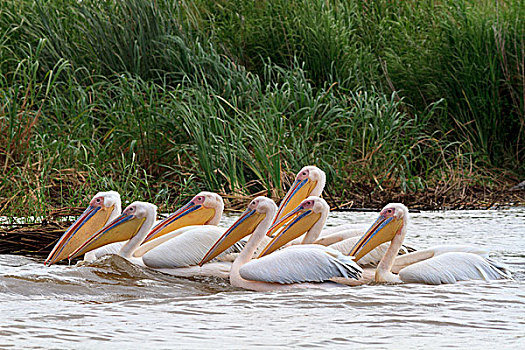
114 304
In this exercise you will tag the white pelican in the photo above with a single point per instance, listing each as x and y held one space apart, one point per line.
132 226
310 217
430 266
184 237
180 255
291 267
103 208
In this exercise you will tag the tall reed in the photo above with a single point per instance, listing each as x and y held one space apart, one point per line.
160 99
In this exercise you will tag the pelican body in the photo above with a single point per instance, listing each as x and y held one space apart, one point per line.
447 266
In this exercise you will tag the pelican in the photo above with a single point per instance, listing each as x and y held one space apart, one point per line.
103 208
184 237
296 266
180 255
132 226
431 266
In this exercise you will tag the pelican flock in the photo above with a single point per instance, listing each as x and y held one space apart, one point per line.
269 247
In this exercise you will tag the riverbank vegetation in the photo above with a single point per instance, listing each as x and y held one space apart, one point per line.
161 99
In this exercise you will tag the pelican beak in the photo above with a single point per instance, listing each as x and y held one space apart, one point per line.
244 226
299 191
190 214
300 221
92 220
382 230
121 229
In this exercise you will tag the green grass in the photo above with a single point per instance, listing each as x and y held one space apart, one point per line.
161 99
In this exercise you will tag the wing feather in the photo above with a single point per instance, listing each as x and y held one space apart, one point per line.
452 267
301 263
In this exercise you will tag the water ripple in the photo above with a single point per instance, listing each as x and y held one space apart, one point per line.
112 303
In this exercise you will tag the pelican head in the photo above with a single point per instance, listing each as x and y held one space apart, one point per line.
204 209
391 222
259 209
309 181
137 217
310 215
103 207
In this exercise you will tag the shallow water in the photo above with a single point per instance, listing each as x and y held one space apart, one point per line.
111 303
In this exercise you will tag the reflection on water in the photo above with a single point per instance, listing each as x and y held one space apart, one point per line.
113 303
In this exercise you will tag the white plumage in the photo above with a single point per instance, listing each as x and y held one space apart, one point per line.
453 267
186 249
332 235
299 264
108 249
438 265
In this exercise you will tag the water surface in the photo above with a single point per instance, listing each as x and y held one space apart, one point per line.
112 303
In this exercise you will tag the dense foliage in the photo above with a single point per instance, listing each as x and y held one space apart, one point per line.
158 99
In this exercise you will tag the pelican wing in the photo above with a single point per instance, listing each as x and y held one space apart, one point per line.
453 267
423 254
186 249
301 263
